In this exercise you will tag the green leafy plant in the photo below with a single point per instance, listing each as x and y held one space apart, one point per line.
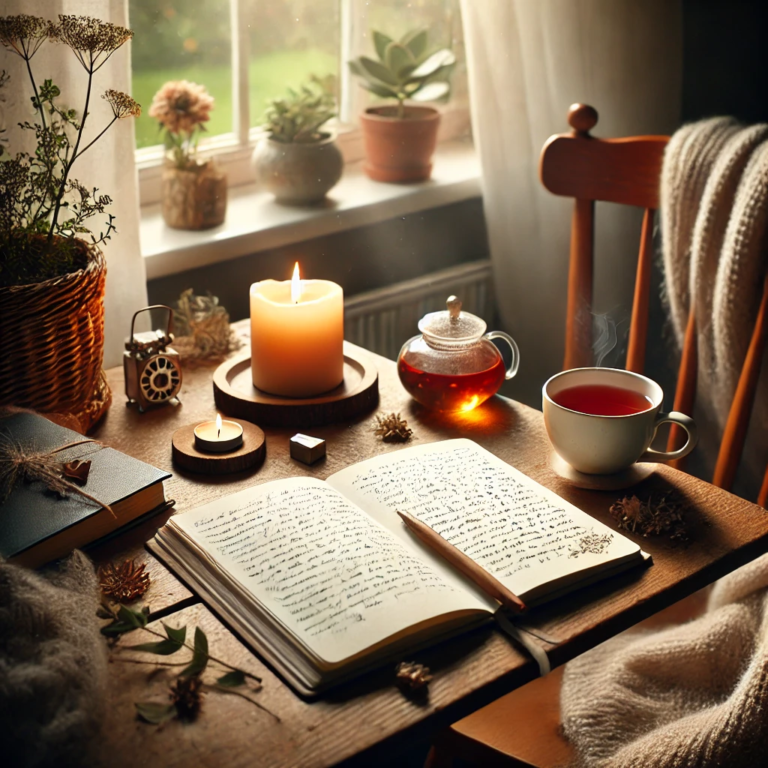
189 685
406 69
299 116
43 210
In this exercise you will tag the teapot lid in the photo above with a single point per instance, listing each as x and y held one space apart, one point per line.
452 326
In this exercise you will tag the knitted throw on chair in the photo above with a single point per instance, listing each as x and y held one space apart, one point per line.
690 695
714 220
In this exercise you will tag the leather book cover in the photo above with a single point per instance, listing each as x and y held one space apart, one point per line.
32 515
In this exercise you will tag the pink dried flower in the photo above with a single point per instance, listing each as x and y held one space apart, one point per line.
181 106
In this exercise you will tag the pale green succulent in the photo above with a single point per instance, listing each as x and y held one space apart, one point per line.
299 116
405 69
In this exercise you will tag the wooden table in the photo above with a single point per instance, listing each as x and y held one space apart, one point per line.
365 718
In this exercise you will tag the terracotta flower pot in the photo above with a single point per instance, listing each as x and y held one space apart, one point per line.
53 340
298 172
399 149
194 197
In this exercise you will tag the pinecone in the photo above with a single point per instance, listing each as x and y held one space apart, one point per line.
187 695
124 583
392 429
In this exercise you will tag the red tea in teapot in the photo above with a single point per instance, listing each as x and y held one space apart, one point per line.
451 392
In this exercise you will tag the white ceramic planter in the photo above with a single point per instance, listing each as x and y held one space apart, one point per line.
298 173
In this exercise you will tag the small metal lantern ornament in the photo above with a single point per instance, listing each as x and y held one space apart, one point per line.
152 368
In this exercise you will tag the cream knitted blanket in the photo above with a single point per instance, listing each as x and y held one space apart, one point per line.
691 695
714 218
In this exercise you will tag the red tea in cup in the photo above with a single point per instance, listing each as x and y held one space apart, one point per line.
602 400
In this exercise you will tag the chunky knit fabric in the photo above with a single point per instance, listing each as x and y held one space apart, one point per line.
714 221
53 665
691 695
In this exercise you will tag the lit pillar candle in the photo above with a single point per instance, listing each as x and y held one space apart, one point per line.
297 336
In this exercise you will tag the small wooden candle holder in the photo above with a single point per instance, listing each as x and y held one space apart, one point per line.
248 456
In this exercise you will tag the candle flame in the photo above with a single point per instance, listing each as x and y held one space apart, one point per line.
296 285
218 426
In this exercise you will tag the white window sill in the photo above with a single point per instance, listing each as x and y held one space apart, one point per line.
255 222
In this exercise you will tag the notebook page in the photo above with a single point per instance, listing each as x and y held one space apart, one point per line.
335 578
512 526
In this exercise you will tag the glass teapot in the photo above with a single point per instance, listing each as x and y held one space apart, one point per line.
452 366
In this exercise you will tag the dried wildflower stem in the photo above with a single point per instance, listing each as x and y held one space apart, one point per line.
222 689
73 157
211 657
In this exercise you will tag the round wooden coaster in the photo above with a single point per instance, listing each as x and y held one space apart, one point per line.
615 482
249 455
235 394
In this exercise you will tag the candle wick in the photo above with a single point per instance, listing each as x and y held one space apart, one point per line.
218 433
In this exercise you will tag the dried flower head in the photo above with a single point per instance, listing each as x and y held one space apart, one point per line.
411 676
181 106
92 40
24 34
124 582
187 695
392 429
122 104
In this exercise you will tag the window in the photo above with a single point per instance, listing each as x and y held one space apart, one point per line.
247 52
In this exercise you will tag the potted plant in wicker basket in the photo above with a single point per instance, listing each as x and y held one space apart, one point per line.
297 162
194 191
51 277
400 139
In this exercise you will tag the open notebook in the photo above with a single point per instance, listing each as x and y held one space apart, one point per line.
323 579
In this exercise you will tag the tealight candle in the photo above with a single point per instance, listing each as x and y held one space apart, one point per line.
297 336
218 436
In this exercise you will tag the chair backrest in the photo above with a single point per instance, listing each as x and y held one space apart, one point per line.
628 171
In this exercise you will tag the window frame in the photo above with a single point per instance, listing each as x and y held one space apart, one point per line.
233 150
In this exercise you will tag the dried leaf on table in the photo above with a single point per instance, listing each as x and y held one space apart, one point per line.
660 515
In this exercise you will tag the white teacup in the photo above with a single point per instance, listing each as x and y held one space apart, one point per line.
601 444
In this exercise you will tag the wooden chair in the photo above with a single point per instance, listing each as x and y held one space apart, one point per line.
523 728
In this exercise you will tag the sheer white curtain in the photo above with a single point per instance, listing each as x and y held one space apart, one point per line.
528 61
108 165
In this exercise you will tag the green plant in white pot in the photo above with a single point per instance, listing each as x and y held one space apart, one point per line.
297 161
400 139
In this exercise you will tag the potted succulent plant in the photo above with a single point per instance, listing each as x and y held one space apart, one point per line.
194 191
296 161
52 270
400 139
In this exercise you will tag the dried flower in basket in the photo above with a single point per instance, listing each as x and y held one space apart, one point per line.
664 515
392 429
182 108
202 328
124 583
412 676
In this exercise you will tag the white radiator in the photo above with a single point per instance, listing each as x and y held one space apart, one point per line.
384 319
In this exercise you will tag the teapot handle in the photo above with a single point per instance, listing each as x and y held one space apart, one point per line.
514 363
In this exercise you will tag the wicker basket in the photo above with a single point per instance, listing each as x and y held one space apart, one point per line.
52 339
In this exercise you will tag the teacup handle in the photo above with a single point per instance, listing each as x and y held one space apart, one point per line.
687 423
514 363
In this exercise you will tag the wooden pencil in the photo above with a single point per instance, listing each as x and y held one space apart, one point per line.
488 583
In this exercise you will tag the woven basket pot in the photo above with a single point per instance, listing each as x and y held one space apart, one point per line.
52 340
195 197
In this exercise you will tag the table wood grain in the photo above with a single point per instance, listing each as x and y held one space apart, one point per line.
362 718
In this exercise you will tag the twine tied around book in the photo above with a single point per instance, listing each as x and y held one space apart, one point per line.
18 465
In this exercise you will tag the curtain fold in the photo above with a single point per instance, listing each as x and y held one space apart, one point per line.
108 164
528 62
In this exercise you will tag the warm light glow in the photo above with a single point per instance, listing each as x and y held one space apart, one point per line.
470 404
218 426
296 285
